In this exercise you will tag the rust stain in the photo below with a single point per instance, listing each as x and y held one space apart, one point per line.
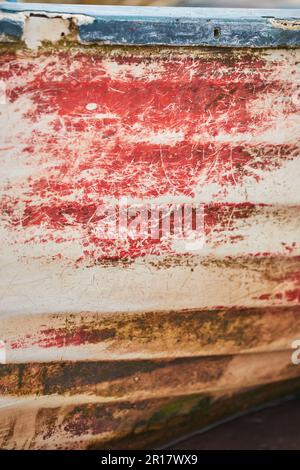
185 332
126 424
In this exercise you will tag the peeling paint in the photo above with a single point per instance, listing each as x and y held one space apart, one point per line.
38 29
114 343
287 25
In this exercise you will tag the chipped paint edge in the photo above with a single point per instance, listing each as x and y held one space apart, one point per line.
33 30
292 25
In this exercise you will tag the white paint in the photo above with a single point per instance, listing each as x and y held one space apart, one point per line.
293 25
139 70
38 29
34 286
91 106
164 137
272 187
3 352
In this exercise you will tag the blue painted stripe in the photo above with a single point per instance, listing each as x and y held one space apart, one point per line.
10 28
176 26
187 32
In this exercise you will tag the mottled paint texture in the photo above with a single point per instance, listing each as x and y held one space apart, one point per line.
80 131
114 342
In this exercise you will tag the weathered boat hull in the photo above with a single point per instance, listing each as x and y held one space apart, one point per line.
128 340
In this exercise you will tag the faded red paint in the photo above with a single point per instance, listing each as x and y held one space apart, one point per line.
291 294
217 217
202 97
64 337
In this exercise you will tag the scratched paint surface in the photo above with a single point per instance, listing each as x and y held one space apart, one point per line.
80 130
83 127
